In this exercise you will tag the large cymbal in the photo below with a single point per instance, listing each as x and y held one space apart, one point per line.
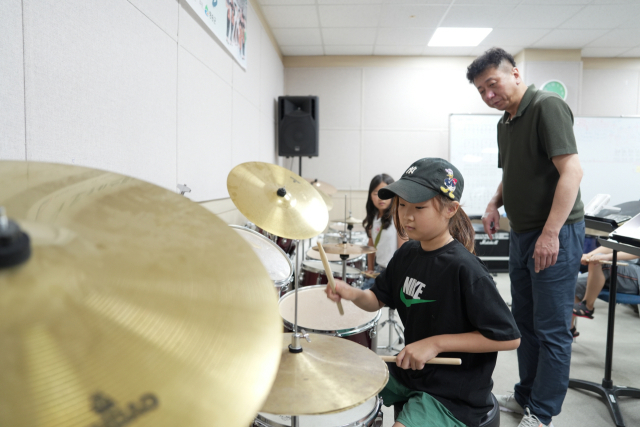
322 186
353 221
135 303
327 199
347 249
297 213
330 375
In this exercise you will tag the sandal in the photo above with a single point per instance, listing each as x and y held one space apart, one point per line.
575 333
580 309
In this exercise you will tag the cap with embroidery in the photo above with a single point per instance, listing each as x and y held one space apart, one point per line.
425 179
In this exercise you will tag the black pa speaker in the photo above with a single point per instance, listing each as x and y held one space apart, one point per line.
298 130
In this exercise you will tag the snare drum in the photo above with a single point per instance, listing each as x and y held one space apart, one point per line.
313 273
318 314
368 414
273 258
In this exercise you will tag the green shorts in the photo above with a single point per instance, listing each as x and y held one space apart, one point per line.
421 410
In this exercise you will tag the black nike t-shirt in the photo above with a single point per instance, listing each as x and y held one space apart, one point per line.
447 291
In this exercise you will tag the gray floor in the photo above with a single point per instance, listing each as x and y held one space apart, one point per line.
580 409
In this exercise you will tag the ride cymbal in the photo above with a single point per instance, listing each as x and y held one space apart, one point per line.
136 306
322 186
346 249
330 375
277 200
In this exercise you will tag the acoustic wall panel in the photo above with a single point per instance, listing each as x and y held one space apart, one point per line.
245 146
12 122
204 131
100 88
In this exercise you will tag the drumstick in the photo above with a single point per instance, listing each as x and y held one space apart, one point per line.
434 361
602 261
327 269
371 275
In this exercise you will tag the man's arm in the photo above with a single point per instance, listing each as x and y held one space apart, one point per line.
548 246
491 214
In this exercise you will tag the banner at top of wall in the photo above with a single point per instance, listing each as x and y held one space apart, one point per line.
227 19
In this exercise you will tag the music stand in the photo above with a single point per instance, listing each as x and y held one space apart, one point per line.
607 390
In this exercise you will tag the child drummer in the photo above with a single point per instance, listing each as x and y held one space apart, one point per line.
446 299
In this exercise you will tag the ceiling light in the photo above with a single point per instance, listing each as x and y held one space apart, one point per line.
459 36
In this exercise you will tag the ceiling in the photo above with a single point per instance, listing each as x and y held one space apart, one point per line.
601 28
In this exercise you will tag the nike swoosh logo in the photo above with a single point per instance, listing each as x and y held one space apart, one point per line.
410 302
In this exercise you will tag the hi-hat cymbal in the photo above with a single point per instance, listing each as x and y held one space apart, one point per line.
352 220
347 249
277 200
327 199
330 375
136 303
340 226
323 186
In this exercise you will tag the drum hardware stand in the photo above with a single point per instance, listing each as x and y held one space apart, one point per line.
393 324
183 189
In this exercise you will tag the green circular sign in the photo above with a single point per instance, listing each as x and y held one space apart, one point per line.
556 86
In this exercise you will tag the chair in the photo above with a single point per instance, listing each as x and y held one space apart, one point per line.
492 419
607 390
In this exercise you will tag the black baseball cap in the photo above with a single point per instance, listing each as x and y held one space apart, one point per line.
425 179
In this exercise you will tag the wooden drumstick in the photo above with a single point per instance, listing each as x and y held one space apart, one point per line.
434 361
327 269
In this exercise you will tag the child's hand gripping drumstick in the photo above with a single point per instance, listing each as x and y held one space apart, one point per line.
434 361
327 269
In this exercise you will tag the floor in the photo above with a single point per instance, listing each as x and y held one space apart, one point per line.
580 409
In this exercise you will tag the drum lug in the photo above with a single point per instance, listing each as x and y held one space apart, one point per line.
373 332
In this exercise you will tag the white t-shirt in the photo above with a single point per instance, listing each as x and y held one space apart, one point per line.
388 243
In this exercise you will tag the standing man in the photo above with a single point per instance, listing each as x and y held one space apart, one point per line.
540 191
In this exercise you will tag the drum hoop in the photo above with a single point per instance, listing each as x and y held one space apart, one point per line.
277 283
321 270
339 333
362 421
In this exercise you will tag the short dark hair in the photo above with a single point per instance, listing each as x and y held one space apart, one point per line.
491 58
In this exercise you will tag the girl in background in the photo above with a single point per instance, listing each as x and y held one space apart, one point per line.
380 228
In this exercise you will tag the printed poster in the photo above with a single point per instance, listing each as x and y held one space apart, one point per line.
227 19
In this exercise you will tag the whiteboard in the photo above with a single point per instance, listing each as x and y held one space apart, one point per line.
608 147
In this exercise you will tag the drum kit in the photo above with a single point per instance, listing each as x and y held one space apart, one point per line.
123 301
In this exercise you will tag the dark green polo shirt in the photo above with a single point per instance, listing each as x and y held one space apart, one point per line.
541 129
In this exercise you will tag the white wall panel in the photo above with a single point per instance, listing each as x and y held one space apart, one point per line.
267 139
245 146
339 160
204 134
609 92
338 89
100 88
393 152
12 121
271 75
200 41
247 82
164 13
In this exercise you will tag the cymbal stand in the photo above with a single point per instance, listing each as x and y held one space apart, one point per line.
344 258
393 325
295 346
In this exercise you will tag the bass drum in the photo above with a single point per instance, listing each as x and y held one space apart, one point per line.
369 414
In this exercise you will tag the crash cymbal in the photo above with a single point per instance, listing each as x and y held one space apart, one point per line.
314 254
352 220
277 200
323 186
327 199
136 306
330 375
340 227
347 249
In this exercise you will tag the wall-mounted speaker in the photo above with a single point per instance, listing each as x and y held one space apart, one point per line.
298 129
